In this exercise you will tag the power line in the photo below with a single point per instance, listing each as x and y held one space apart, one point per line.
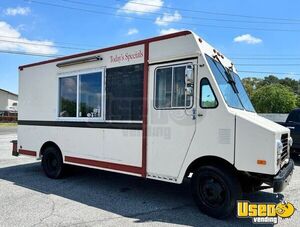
266 58
274 73
152 19
186 17
268 64
263 55
67 43
30 53
40 44
215 13
55 56
35 43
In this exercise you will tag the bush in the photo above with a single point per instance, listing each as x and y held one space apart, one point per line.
274 98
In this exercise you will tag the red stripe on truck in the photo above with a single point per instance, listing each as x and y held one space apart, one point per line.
145 110
105 165
27 152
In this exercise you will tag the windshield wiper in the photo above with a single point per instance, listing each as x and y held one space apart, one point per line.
228 75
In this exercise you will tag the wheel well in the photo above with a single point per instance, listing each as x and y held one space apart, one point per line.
49 144
209 160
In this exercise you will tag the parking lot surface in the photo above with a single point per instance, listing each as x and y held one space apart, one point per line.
89 197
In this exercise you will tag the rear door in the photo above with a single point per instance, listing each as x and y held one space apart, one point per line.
171 124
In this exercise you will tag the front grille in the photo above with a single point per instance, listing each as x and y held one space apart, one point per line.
285 143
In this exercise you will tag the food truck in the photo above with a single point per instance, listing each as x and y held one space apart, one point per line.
164 108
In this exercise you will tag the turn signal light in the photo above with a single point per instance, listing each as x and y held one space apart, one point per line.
261 162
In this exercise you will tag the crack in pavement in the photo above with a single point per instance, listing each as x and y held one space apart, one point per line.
49 215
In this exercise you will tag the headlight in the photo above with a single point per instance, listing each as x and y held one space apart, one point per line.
291 141
279 147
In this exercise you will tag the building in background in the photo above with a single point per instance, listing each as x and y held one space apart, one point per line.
8 103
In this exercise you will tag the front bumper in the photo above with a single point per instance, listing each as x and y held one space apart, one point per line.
283 177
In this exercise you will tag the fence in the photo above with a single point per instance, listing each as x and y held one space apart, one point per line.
8 119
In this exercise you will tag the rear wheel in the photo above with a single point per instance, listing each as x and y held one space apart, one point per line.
215 190
52 162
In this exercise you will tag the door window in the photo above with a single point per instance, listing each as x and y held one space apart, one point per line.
207 96
170 88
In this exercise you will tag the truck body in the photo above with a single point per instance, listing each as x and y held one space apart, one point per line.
161 108
293 123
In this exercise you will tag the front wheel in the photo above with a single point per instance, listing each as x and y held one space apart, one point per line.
215 190
52 163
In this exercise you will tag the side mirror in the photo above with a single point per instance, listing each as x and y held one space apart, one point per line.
189 75
189 91
189 80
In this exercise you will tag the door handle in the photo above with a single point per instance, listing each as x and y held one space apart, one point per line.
194 114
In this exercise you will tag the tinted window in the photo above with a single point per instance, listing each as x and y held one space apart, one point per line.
294 116
90 95
67 96
124 92
208 98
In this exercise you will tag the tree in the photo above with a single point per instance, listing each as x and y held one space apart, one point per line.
274 98
293 84
269 80
251 84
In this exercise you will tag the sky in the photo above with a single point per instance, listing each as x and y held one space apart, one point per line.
258 36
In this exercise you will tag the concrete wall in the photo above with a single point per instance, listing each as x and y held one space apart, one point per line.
275 117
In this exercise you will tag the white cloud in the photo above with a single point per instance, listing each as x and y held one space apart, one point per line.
141 6
169 30
132 31
15 41
17 11
247 38
167 18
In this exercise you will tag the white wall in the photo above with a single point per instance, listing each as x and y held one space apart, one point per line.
277 117
7 99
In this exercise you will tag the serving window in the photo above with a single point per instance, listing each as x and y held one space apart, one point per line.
81 95
67 96
90 95
87 95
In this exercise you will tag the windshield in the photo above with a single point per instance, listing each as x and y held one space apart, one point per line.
233 92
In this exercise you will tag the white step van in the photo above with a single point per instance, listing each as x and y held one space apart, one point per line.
163 108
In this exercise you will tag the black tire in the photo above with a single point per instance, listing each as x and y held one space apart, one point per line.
216 190
52 163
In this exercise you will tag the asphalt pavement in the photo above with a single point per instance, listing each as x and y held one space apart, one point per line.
87 197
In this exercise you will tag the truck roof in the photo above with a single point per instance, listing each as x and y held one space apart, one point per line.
149 40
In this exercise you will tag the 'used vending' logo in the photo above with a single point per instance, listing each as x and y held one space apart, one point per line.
264 213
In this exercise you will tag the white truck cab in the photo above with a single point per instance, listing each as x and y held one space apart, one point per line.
163 108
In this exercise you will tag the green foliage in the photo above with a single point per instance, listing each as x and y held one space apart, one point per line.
273 95
274 98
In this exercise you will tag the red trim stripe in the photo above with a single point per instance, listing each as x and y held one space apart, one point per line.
27 152
105 165
145 110
154 39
